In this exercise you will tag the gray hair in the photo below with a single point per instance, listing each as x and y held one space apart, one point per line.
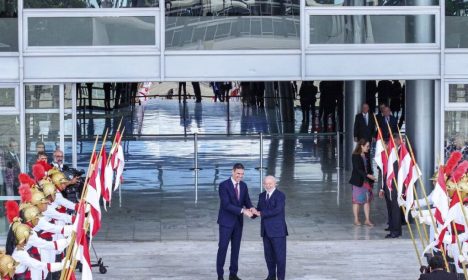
270 177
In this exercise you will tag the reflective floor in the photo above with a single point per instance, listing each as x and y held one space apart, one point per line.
159 200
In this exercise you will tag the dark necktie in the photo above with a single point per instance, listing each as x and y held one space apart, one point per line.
268 197
236 189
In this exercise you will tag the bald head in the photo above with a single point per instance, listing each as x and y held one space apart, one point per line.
269 183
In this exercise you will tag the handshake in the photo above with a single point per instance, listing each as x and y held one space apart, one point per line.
251 213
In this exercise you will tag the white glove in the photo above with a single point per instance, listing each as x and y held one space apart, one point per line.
67 230
88 208
63 243
65 264
56 266
414 214
447 239
462 259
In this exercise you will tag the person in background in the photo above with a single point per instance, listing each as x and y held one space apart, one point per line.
362 180
12 168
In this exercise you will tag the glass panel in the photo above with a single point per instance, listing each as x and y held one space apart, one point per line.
42 97
91 31
91 4
9 155
456 133
7 97
68 96
9 26
372 29
42 132
456 23
327 3
232 25
68 134
458 93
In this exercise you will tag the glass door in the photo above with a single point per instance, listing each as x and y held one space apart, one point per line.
49 122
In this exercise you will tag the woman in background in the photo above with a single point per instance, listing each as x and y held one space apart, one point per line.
361 180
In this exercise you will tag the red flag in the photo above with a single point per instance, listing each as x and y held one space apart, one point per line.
92 197
440 198
102 166
392 157
80 217
404 169
84 257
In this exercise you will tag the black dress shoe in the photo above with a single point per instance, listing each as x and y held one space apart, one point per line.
220 278
234 277
387 229
391 235
270 278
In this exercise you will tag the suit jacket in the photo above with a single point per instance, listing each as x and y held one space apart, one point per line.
273 221
363 130
229 207
359 173
438 275
393 123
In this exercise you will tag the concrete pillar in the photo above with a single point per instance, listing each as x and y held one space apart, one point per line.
355 95
420 96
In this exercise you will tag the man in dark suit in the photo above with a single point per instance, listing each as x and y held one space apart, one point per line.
437 271
391 199
387 118
12 168
234 202
270 208
364 125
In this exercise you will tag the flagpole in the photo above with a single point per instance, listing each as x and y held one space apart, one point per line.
402 207
417 202
423 188
67 256
459 249
86 186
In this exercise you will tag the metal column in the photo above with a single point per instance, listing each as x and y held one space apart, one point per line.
420 123
355 95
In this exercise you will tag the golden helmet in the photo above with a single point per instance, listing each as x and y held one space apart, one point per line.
57 177
38 197
21 231
30 213
451 187
48 188
7 265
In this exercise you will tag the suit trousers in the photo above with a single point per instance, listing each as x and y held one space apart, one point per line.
394 212
226 235
275 256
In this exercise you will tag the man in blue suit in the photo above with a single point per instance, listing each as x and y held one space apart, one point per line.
234 203
273 229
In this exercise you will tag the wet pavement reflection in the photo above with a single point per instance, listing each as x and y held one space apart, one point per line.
158 193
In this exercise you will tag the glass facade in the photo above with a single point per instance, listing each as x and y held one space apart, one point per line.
456 24
456 132
7 97
232 25
371 29
387 3
91 31
8 26
9 154
458 93
90 3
